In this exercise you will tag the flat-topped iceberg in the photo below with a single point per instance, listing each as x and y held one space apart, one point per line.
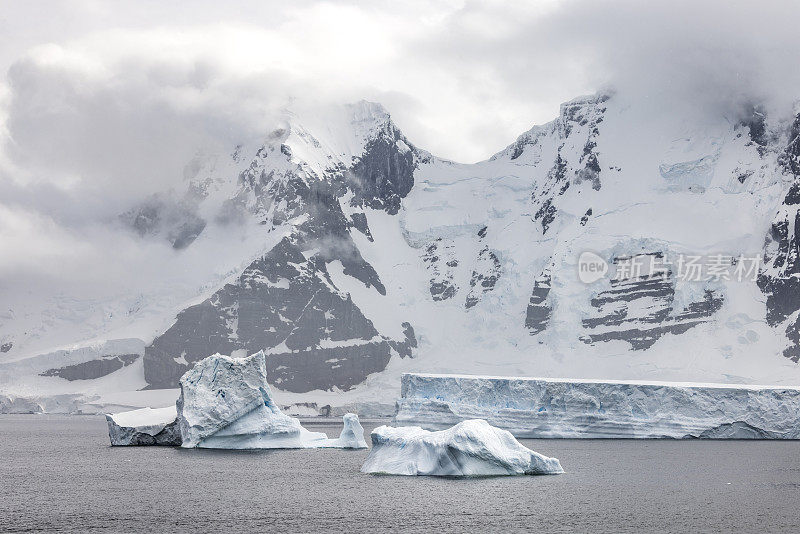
225 403
562 408
145 426
470 448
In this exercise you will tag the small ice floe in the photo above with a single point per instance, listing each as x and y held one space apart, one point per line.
145 426
470 448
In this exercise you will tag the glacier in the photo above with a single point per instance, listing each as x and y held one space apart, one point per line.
470 448
438 266
561 408
225 403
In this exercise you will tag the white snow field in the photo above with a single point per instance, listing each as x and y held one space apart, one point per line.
560 408
480 259
225 403
470 448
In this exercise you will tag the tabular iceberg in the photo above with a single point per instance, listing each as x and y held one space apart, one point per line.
560 408
470 448
145 426
225 403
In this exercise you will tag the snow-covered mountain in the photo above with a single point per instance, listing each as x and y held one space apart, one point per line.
350 256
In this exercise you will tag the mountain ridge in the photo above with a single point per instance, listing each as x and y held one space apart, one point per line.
375 242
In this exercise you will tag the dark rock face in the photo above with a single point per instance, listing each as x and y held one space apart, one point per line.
317 368
404 347
359 222
793 196
94 368
793 335
591 170
546 214
186 232
274 198
484 278
744 176
385 173
328 231
440 260
584 116
285 302
539 307
5 347
586 216
783 290
756 125
315 336
780 277
651 294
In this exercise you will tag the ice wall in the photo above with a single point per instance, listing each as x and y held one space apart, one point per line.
561 408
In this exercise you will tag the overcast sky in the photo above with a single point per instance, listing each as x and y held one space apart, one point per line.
103 101
462 78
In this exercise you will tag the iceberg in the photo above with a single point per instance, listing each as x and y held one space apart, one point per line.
563 408
145 426
226 403
470 448
352 436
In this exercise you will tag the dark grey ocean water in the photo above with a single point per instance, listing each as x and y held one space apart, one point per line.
59 473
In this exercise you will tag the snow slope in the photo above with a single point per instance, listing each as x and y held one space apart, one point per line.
350 256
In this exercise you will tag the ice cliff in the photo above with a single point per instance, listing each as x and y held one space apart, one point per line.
550 408
470 448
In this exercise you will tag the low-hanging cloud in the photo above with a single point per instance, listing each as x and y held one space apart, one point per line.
712 55
102 112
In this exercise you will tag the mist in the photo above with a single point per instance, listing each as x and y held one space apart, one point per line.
103 105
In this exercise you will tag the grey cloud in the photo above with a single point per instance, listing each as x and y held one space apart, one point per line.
100 142
113 112
711 54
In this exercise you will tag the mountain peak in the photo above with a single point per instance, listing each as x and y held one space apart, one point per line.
365 111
